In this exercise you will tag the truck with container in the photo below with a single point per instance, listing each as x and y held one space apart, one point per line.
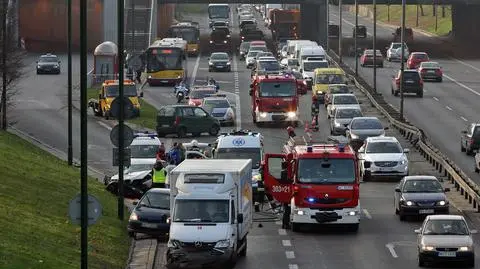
211 212
218 12
284 24
274 99
317 182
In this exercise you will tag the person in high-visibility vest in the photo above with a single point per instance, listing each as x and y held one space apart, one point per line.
159 175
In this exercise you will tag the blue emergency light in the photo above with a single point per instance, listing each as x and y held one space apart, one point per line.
309 149
146 134
311 200
341 147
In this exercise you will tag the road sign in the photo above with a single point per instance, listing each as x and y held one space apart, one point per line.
94 210
128 135
126 157
128 108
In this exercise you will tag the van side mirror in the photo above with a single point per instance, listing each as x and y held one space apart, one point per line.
240 218
446 190
418 231
397 189
367 164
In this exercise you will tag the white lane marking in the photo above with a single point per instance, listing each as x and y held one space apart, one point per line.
195 70
466 64
278 222
290 254
282 232
292 266
449 108
463 118
367 214
238 111
104 125
435 98
462 85
286 243
391 248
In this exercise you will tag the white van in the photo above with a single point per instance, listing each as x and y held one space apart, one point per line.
311 52
298 48
291 46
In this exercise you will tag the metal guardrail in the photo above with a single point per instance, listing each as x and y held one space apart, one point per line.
463 184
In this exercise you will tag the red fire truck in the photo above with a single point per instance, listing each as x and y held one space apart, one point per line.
274 99
317 182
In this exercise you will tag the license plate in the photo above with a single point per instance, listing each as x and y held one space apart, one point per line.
219 66
385 169
164 81
426 211
149 225
165 125
409 81
447 254
431 71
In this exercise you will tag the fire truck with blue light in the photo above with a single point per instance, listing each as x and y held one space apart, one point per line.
317 182
274 99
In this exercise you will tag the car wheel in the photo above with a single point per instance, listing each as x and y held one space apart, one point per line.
182 132
439 79
395 93
476 169
421 262
402 216
471 263
469 152
354 227
295 227
214 130
389 59
420 94
396 210
243 252
132 235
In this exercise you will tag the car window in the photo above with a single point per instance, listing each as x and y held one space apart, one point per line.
348 113
156 200
188 112
199 112
422 185
383 147
219 56
366 124
411 75
48 59
446 227
345 100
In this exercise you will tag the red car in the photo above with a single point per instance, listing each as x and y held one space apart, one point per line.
197 94
367 58
416 58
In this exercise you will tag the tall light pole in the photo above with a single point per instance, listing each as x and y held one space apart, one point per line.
402 66
69 82
132 6
83 137
355 45
375 46
121 122
4 64
340 34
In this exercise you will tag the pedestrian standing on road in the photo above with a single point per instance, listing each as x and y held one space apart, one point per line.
169 168
161 152
183 151
159 175
174 154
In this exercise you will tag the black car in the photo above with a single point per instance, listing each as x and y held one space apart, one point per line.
48 64
183 119
412 83
219 61
470 139
151 214
361 31
253 35
243 49
220 38
420 196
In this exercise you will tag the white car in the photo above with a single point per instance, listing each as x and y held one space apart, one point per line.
394 52
383 156
138 170
145 146
347 100
251 58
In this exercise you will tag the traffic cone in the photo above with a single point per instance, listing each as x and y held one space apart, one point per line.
314 125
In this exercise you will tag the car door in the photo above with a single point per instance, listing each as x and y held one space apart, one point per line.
330 107
468 135
202 120
396 195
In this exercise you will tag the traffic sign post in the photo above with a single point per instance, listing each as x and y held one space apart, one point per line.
128 136
127 154
123 102
93 213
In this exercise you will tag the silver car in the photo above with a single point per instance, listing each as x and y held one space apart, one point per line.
347 100
445 238
342 118
220 108
361 128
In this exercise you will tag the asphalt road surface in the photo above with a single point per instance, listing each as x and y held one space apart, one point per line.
446 108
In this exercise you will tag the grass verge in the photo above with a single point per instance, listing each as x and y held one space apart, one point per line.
36 233
426 22
181 9
148 113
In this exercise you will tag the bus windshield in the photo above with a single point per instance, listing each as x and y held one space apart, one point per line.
128 90
278 89
189 34
326 171
164 59
219 12
330 79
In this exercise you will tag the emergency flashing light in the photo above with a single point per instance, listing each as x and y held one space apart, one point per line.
146 134
311 200
341 147
309 149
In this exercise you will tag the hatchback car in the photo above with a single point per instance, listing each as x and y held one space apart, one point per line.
431 71
394 52
219 61
363 127
444 238
151 214
243 49
420 196
184 119
220 108
367 58
360 31
48 64
412 83
416 58
334 89
342 100
470 139
197 94
341 119
251 57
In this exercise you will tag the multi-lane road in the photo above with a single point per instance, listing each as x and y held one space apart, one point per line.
445 109
382 241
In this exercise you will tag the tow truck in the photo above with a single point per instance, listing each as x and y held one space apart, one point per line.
108 92
274 99
317 182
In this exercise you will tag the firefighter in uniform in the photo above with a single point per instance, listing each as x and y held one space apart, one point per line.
159 175
315 111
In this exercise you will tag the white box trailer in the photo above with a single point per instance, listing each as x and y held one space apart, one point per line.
211 212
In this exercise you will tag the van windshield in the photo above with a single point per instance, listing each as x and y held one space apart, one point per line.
128 90
205 210
310 66
330 79
326 171
255 154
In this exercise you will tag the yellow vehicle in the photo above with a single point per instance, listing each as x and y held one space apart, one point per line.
189 32
108 92
166 62
326 76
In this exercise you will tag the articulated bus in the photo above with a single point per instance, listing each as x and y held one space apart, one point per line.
166 61
188 32
218 12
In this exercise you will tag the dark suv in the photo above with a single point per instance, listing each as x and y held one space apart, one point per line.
183 119
412 83
470 139
220 38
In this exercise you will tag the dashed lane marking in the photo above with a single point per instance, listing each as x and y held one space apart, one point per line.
436 99
466 64
391 248
290 254
462 85
449 108
463 118
367 214
238 111
282 232
104 125
292 266
286 243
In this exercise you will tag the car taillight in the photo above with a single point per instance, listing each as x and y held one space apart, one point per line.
177 120
423 71
438 72
421 82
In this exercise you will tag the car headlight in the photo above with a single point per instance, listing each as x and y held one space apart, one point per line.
319 92
225 41
292 114
428 248
409 203
229 115
210 63
223 244
337 124
172 243
149 77
228 63
263 114
442 203
299 212
55 66
403 161
464 248
211 41
38 66
133 216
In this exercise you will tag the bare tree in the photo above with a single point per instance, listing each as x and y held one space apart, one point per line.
11 60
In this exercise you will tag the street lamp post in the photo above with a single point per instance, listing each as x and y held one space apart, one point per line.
121 122
374 46
69 82
402 66
355 44
340 34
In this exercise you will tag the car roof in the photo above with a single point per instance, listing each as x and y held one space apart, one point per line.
410 70
142 140
344 94
382 139
249 141
142 161
365 118
420 177
418 52
48 55
210 98
429 62
159 190
267 59
445 217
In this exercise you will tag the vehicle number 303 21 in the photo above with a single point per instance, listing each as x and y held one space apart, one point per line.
280 188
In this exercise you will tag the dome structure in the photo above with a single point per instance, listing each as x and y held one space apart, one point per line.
107 48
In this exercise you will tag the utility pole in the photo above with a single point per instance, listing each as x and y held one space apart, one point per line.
402 66
355 45
83 136
121 122
133 26
374 46
4 64
340 35
69 82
